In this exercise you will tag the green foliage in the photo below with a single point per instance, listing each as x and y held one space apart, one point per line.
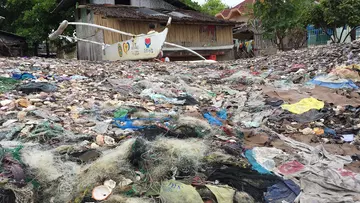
279 18
32 19
192 4
11 12
332 14
212 7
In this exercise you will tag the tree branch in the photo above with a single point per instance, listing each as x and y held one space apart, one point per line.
325 31
335 34
342 32
302 43
354 28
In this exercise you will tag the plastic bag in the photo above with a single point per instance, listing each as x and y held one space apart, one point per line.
304 105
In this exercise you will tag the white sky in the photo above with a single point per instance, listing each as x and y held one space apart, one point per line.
227 2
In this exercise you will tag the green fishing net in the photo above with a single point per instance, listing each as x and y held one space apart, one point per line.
15 152
7 84
45 131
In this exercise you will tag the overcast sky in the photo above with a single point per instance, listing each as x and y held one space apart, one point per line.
227 2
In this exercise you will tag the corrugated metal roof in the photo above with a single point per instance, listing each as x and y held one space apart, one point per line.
65 4
11 35
178 15
148 11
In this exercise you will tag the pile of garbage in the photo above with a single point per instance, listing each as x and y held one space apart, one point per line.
279 129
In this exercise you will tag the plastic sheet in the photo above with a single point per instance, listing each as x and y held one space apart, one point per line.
177 192
335 84
304 105
212 120
254 164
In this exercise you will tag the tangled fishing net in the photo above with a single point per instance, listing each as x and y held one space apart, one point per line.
168 157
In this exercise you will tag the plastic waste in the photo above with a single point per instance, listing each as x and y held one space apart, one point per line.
223 194
304 105
127 123
251 124
101 127
265 156
188 100
23 102
348 137
222 114
23 76
255 165
37 87
329 131
159 98
307 131
120 113
319 131
266 73
177 192
333 83
78 77
212 120
346 72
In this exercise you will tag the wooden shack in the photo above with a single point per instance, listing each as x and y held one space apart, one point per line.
200 32
11 44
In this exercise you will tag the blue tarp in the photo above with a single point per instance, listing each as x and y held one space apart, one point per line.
349 84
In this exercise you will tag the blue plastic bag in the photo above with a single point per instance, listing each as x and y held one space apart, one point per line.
254 164
212 120
329 131
23 76
222 114
127 123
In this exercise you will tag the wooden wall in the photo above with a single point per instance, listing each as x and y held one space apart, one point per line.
186 35
88 51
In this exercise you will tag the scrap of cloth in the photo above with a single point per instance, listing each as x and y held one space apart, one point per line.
323 178
244 179
304 105
286 191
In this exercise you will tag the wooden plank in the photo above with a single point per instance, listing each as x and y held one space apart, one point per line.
188 35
